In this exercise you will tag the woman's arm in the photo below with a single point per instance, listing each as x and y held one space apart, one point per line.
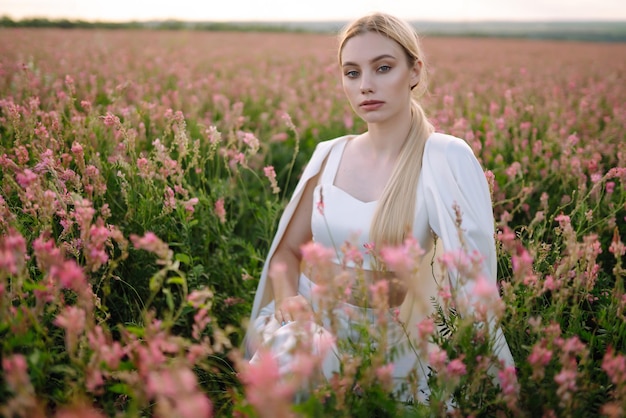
284 269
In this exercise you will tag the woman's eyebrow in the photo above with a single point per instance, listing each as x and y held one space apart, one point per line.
378 58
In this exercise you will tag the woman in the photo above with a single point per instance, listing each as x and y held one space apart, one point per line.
398 179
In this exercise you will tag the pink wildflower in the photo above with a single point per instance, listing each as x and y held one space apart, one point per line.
26 178
614 366
485 289
12 252
513 170
72 319
265 389
271 175
566 380
456 368
380 293
351 254
150 242
539 359
219 210
426 328
385 374
617 247
251 141
190 204
70 275
85 104
237 159
403 258
438 358
15 371
563 220
199 297
510 386
314 253
111 120
200 321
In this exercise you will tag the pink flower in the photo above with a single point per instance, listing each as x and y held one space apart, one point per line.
150 242
145 168
513 170
566 380
199 297
614 366
237 159
265 389
510 386
403 258
563 220
315 253
251 141
425 328
15 371
320 204
26 178
540 356
271 175
220 212
438 358
77 150
385 373
190 204
380 291
70 275
72 319
456 368
12 252
85 104
110 120
351 254
617 247
485 289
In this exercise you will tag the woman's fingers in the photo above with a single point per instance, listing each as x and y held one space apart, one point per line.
293 308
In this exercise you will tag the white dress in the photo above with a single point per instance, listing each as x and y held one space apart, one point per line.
451 176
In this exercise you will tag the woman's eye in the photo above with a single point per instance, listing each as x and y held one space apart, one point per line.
352 74
384 68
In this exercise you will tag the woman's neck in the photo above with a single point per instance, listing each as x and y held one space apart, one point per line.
387 138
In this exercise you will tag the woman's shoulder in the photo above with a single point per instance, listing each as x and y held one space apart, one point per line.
444 152
441 143
328 143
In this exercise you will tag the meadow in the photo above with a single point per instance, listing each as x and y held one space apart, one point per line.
143 174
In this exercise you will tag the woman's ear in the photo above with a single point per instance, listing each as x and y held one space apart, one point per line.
415 74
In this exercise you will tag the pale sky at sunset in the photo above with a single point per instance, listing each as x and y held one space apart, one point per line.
231 10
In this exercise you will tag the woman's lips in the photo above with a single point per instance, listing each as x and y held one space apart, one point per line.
371 104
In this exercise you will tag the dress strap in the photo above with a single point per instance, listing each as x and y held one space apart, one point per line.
332 163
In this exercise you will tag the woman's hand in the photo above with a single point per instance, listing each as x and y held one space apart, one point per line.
293 308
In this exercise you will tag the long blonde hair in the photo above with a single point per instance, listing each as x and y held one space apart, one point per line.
396 207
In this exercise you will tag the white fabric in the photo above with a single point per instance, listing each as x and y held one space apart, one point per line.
280 341
450 176
339 217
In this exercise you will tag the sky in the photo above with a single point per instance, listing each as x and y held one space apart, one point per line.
312 10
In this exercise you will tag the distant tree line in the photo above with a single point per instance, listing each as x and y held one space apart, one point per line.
598 31
7 22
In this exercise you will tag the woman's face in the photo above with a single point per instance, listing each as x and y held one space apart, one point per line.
377 78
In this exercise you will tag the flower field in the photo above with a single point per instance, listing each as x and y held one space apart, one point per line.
143 174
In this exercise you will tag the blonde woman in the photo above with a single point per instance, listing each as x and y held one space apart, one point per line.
400 178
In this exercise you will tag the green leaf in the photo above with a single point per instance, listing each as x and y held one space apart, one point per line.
183 258
138 331
121 388
176 280
169 299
